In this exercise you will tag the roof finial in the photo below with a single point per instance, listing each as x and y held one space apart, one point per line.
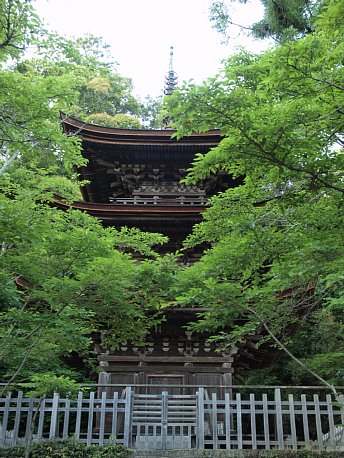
171 59
171 79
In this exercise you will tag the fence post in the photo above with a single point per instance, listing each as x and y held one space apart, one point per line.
331 432
318 422
266 421
164 419
214 420
90 419
341 407
305 420
17 418
292 422
102 418
5 419
41 420
341 410
253 421
78 416
228 421
66 418
53 419
279 419
114 416
127 417
239 420
29 421
200 419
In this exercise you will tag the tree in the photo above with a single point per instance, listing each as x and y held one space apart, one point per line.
64 278
110 94
277 243
18 26
151 113
76 77
282 18
99 90
122 121
29 130
47 385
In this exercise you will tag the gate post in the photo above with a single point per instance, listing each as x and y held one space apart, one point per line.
164 420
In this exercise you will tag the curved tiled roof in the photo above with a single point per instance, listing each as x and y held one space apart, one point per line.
111 135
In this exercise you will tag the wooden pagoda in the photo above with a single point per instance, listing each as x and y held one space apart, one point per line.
134 181
134 178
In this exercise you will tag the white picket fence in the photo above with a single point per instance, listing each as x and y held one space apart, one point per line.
176 421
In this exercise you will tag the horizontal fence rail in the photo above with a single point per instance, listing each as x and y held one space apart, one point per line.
170 419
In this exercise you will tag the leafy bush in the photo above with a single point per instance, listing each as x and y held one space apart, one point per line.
68 448
303 453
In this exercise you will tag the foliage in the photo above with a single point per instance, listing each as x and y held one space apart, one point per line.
317 344
68 448
99 90
65 280
277 243
151 113
18 26
283 19
286 18
302 453
73 282
133 240
46 384
122 121
29 131
109 94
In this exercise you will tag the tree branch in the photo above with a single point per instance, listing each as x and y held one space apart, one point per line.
269 155
8 160
26 355
294 358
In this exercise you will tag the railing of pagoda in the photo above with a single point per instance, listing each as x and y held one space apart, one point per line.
206 418
156 200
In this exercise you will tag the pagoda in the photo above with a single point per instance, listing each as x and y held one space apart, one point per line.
134 180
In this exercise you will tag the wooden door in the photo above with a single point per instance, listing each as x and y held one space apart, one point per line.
165 380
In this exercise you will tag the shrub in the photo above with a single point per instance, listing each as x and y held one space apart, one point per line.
68 448
302 453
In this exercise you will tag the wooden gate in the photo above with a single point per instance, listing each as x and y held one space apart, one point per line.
163 421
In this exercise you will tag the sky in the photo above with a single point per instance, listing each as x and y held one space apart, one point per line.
140 33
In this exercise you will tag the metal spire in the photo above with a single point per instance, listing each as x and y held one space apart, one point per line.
171 79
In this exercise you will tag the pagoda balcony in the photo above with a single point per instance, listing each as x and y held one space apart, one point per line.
160 201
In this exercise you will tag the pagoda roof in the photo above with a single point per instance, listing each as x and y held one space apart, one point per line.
174 221
112 210
110 135
120 160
